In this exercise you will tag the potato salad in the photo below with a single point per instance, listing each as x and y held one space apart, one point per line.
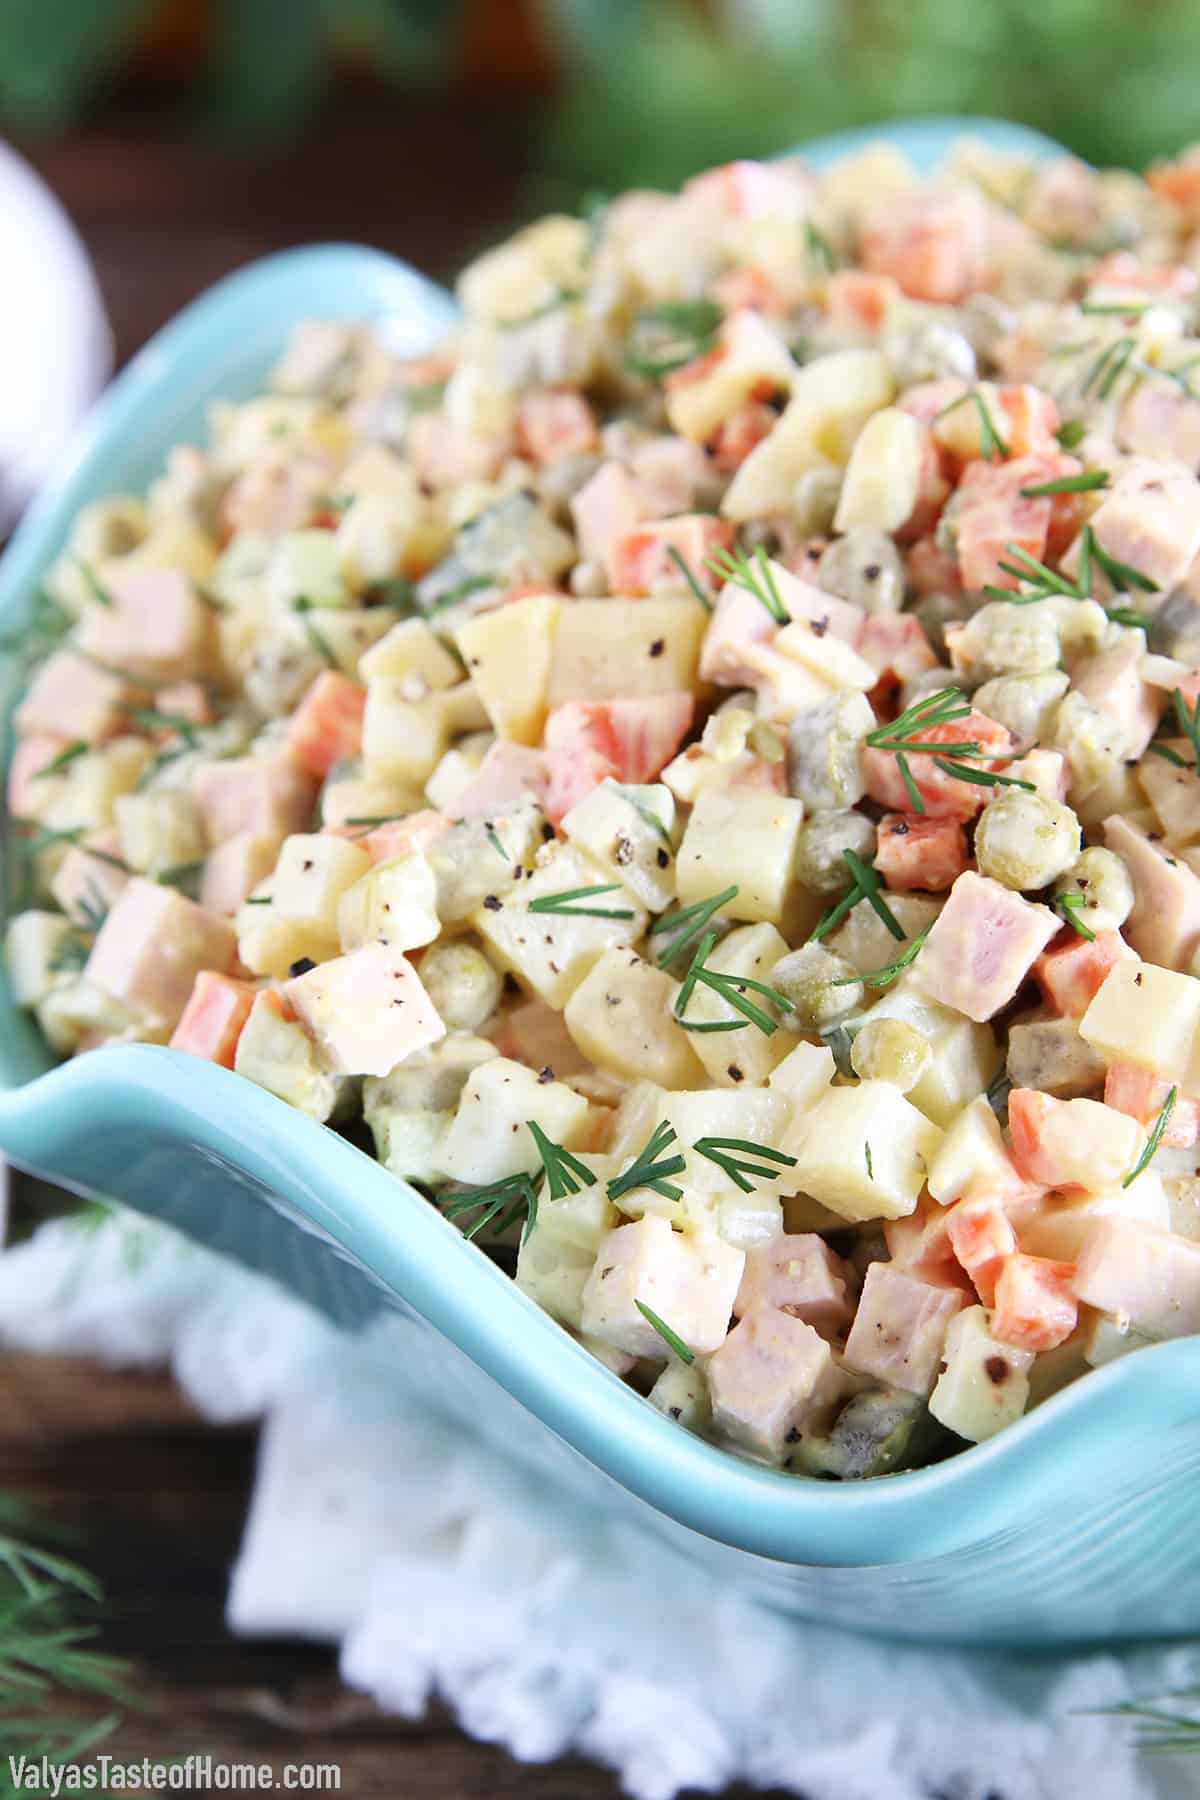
698 774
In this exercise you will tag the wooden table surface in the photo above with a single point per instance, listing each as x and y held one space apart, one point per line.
158 1496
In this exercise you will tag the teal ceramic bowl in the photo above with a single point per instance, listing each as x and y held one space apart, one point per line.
1076 1524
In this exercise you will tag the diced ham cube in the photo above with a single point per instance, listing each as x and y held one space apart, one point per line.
508 775
982 945
771 1380
1159 419
738 621
1074 969
607 507
931 240
689 1282
1150 520
72 692
982 1236
750 190
555 422
1072 1143
85 884
800 1275
739 434
366 1011
1035 1307
1142 1094
327 724
929 569
268 796
912 852
152 946
895 645
855 297
630 740
1150 1276
26 792
156 625
414 831
991 516
1164 926
638 560
944 796
234 869
212 1021
1121 270
900 1328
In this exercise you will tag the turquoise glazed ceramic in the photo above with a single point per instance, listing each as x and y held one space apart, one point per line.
1077 1523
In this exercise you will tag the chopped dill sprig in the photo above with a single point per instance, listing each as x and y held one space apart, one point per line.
753 573
1153 1141
865 885
1086 483
565 903
731 989
671 1338
681 564
733 1156
1072 905
993 446
565 1174
499 1205
647 1170
670 334
688 924
889 971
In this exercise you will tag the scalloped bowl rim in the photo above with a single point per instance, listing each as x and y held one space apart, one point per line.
391 1231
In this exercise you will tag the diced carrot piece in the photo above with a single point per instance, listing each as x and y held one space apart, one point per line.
981 1236
992 516
1073 970
630 740
930 569
212 1020
932 492
749 288
931 241
912 852
943 795
639 558
1140 1093
555 423
1035 1305
854 297
327 725
1030 420
920 1245
738 435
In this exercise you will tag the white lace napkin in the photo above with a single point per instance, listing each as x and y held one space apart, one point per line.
438 1569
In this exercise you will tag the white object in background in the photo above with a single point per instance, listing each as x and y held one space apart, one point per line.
55 340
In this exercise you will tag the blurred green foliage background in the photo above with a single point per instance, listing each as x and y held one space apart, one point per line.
639 90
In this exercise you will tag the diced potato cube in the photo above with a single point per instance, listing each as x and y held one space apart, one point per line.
409 1144
972 1150
410 652
681 1392
312 874
803 1076
160 829
152 946
772 1379
620 649
864 1151
508 653
489 1138
269 942
984 1385
630 832
834 663
551 952
1072 1143
1064 1222
555 1276
749 357
394 903
620 1017
832 398
405 739
688 1281
899 1329
367 1011
95 783
79 1013
965 1056
748 1055
32 944
431 1080
746 839
1148 1016
883 475
275 1051
306 566
470 872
